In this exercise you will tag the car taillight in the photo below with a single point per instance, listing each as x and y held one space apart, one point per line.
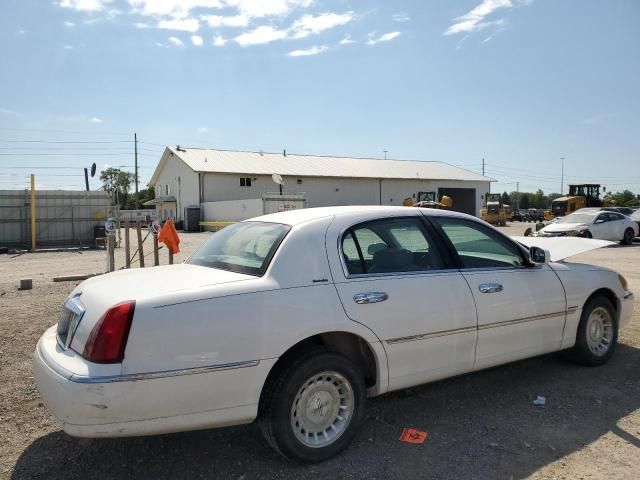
108 339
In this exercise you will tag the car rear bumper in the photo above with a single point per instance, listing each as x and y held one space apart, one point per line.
140 405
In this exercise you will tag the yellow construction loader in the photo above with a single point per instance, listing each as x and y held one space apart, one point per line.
494 211
429 200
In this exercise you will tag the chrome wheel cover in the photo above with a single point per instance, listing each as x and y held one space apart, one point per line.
322 409
599 331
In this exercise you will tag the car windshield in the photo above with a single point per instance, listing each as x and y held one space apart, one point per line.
635 215
245 247
576 218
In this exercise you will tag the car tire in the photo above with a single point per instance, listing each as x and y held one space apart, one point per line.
311 409
597 333
587 234
629 234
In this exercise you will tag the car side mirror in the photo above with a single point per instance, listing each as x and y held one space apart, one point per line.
600 220
539 255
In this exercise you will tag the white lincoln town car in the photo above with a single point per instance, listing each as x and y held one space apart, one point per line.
295 318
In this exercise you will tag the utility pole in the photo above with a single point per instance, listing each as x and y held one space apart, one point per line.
483 167
385 154
562 176
517 193
135 143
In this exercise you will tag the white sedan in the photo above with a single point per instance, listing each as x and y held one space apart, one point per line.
592 223
296 318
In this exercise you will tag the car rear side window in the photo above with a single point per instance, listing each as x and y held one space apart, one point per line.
478 246
389 246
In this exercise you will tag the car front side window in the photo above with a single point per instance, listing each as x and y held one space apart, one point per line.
389 246
478 246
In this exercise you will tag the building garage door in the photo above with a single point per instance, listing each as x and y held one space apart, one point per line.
464 199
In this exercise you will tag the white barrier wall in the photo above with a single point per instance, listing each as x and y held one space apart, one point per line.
232 210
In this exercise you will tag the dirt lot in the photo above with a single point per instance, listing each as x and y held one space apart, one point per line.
481 425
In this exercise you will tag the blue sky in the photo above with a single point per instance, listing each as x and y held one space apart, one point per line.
520 83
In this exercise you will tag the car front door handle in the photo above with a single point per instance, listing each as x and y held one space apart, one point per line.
370 297
490 287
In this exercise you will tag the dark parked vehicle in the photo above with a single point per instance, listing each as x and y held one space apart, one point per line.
628 211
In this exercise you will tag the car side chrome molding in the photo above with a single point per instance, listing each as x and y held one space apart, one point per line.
134 377
456 331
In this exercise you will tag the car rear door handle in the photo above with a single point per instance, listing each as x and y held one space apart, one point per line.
490 287
370 297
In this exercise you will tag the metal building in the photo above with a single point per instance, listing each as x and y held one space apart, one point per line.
187 177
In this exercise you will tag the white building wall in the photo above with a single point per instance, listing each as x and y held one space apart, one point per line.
232 210
182 183
326 191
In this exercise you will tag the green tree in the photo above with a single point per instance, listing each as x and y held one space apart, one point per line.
524 200
117 182
623 199
144 195
505 198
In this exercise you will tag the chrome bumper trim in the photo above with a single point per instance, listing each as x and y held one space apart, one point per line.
134 377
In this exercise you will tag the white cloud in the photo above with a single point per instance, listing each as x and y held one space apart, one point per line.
202 130
347 40
386 37
309 51
173 8
69 24
68 47
264 8
228 21
142 25
95 120
308 24
260 35
197 40
175 41
219 41
85 5
21 32
474 19
400 17
181 24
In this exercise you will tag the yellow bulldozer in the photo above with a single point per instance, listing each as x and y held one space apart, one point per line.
580 196
429 200
494 211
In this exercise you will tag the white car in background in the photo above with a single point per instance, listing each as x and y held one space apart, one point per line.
592 223
295 318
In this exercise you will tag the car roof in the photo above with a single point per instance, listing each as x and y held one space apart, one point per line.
295 217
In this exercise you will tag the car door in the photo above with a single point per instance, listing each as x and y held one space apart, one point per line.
392 276
601 228
617 225
521 307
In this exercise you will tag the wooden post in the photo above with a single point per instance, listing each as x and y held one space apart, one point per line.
111 263
156 256
170 256
140 250
127 245
33 212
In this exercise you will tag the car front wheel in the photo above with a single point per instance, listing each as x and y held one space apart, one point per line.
597 333
312 408
628 236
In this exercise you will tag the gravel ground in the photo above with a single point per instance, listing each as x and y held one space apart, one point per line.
481 425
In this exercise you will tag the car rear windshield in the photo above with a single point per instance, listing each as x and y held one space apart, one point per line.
245 247
576 218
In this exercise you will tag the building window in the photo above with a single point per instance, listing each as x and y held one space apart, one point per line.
245 181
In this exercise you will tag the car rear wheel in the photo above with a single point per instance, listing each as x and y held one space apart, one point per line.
587 234
597 334
628 236
312 408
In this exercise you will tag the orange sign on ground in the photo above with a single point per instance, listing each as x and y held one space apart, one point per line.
411 435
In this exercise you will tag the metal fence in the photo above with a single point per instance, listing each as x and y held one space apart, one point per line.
63 218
